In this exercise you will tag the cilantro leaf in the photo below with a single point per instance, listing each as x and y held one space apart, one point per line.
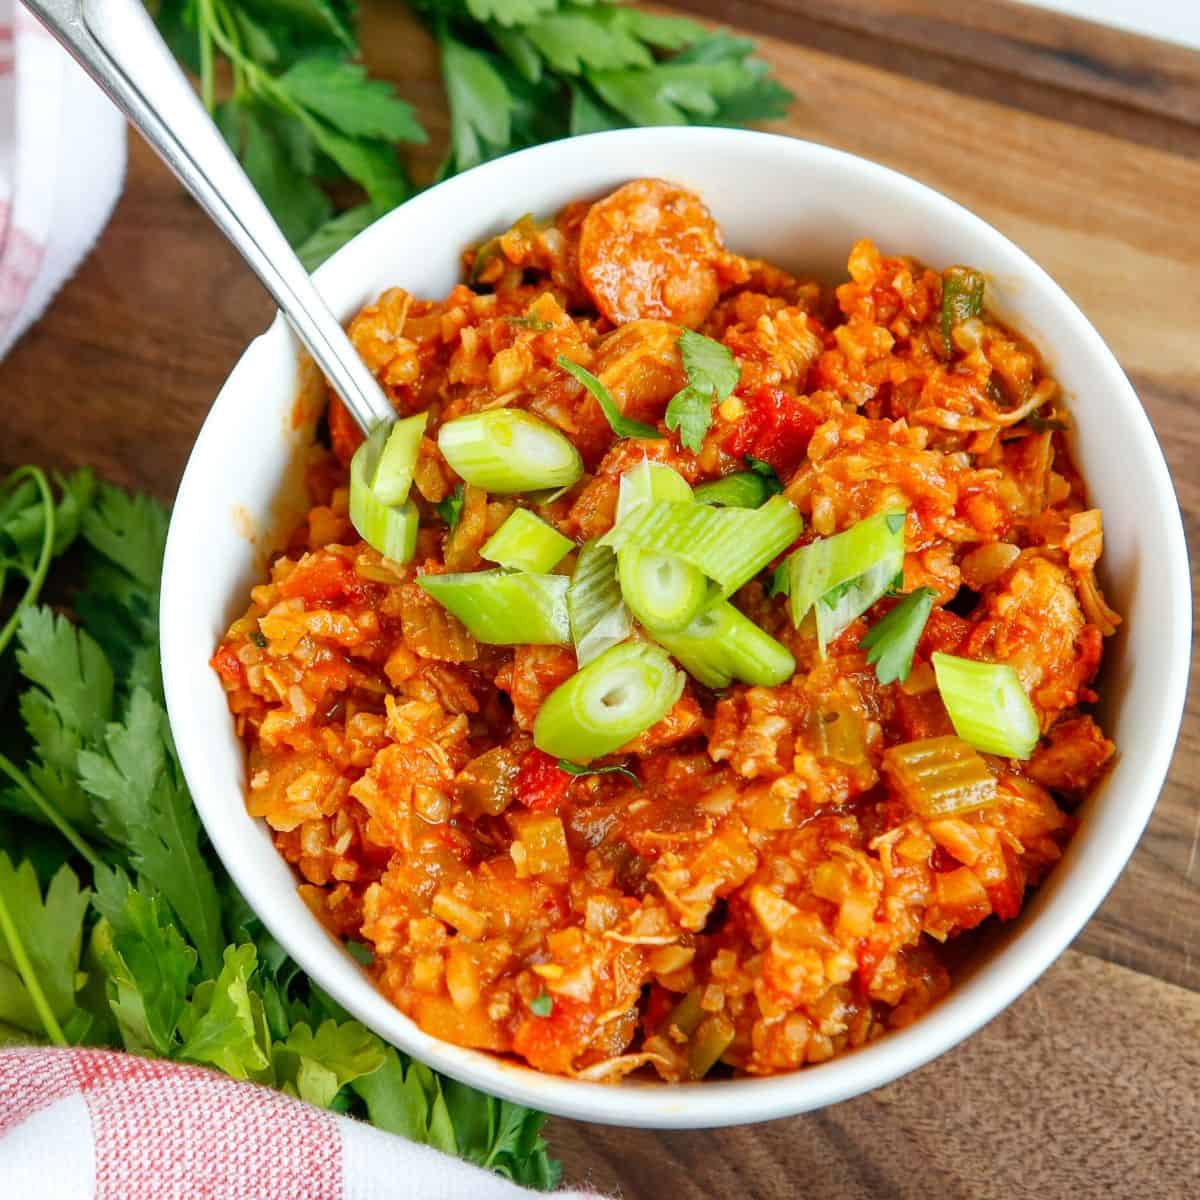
146 962
891 642
223 1024
316 1065
341 93
49 931
450 509
142 803
712 375
130 531
579 769
620 424
480 104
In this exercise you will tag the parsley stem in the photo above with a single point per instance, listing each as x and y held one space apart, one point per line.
48 810
36 577
29 976
207 92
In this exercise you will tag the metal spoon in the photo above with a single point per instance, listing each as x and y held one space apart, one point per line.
116 42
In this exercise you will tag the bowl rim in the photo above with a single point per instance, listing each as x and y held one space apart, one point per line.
969 1005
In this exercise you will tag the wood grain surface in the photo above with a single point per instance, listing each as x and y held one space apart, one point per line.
1081 144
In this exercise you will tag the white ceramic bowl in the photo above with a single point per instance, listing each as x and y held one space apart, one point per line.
800 205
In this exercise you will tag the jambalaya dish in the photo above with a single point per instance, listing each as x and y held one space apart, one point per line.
699 652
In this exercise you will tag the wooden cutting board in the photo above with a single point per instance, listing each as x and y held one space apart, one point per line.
1083 145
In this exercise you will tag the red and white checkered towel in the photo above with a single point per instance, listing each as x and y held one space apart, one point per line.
62 163
94 1125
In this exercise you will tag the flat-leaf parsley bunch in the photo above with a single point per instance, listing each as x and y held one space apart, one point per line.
302 114
118 927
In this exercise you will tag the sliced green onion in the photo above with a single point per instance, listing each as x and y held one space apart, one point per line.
723 644
599 617
663 592
507 450
608 703
526 543
730 545
987 705
505 609
648 482
746 489
389 529
843 575
393 469
620 424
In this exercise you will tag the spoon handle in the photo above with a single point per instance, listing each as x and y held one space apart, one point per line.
116 42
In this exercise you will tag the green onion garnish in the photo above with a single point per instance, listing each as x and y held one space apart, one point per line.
393 471
987 705
647 482
608 703
526 543
891 642
389 529
843 575
730 545
599 617
723 644
503 609
746 489
620 424
663 592
507 450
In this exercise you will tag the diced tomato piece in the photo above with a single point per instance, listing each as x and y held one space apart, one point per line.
776 427
321 578
552 1043
540 783
344 434
226 663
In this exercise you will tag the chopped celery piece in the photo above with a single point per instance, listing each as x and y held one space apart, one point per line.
507 450
526 543
987 704
662 591
619 423
650 481
746 489
599 617
504 609
723 644
730 545
937 777
843 575
962 299
608 703
389 529
392 475
712 1038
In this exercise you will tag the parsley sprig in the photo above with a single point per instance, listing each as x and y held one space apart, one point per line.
302 114
712 374
118 927
891 642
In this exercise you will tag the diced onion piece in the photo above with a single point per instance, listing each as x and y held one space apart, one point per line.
599 617
730 545
608 703
647 482
843 575
723 644
746 489
526 543
939 776
987 705
389 529
393 470
504 609
506 450
663 592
